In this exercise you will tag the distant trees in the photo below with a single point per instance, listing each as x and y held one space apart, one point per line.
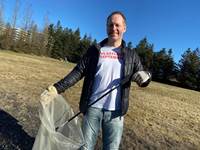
26 38
189 73
64 43
163 65
145 51
186 73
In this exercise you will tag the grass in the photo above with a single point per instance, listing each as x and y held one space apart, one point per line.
159 117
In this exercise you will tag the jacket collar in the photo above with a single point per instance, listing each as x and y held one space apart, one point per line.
103 42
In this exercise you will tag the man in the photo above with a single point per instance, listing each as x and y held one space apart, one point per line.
105 66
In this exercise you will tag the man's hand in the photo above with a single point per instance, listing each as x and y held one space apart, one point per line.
142 78
49 94
52 90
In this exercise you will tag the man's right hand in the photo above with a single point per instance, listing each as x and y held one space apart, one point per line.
49 94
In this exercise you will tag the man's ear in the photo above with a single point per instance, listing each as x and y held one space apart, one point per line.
124 28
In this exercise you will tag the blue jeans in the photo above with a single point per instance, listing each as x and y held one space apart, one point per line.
111 124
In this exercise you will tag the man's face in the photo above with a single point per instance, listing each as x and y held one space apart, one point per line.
116 27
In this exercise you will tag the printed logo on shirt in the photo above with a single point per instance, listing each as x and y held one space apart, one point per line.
111 55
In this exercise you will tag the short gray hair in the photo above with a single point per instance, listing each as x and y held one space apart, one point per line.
114 13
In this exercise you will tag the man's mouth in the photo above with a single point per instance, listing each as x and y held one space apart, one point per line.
112 34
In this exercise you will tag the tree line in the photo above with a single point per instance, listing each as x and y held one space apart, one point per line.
185 73
63 43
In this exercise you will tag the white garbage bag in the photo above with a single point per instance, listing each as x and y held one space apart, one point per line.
54 113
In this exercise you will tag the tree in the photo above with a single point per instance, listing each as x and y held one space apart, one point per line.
6 37
197 52
45 35
189 65
145 51
50 41
2 28
73 45
15 13
35 39
27 19
23 42
1 13
129 45
94 42
58 47
84 44
163 65
13 24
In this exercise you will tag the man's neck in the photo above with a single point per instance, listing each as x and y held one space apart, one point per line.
114 43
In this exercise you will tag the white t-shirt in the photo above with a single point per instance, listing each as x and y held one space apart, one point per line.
108 75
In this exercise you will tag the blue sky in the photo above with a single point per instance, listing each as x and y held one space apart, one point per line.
166 23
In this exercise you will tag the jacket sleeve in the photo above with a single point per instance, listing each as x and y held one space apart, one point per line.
137 64
74 76
139 73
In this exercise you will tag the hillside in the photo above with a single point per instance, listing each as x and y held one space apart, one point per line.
159 117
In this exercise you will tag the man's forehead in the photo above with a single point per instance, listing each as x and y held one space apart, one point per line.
116 17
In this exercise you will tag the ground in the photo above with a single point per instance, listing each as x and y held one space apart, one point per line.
159 117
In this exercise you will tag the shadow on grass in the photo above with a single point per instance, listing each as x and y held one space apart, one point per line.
12 135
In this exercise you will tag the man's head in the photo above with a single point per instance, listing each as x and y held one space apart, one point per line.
116 26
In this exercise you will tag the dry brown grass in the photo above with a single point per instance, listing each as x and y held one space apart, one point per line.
159 117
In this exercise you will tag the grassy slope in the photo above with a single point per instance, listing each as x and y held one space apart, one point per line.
159 117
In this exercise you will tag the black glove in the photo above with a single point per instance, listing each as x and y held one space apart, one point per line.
142 78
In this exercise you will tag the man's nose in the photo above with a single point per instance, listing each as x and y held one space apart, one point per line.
113 27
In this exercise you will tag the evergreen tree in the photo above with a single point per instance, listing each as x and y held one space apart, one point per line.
83 46
74 54
163 65
50 41
94 42
129 45
34 39
58 48
145 51
189 73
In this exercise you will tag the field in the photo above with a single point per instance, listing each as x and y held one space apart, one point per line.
160 117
